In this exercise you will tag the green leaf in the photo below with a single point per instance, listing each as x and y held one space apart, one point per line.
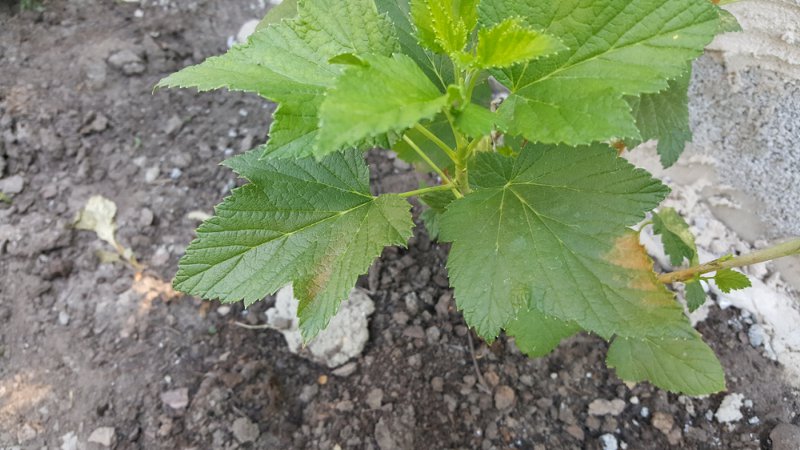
550 231
685 365
476 121
678 241
437 203
536 334
511 42
439 68
665 116
728 22
287 9
313 223
389 94
616 48
730 280
695 295
288 62
444 26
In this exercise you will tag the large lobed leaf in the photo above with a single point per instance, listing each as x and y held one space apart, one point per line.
313 223
549 228
381 95
615 48
288 62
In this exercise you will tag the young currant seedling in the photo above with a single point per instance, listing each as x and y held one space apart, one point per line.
534 199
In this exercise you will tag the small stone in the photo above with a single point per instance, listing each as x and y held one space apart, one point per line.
663 422
69 441
412 303
492 378
224 310
12 185
151 174
146 217
175 173
127 61
433 333
63 318
345 370
785 437
504 397
645 412
576 432
437 383
244 430
756 335
95 124
309 392
729 410
603 407
634 400
415 332
26 433
375 398
176 399
173 125
103 436
609 442
344 406
49 191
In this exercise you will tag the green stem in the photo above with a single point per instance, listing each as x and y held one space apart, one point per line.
418 192
435 139
789 248
433 165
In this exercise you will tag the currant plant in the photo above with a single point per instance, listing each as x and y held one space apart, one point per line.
533 195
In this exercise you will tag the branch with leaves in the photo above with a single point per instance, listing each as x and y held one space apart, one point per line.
536 203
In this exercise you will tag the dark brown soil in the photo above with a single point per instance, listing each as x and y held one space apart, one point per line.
85 345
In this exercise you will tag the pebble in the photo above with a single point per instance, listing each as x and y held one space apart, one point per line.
176 399
603 407
175 173
663 422
785 437
152 174
173 125
244 430
504 397
756 335
127 61
729 410
412 303
26 433
103 436
224 310
309 392
415 332
609 442
69 441
645 412
146 217
375 398
576 432
63 318
437 383
433 333
345 370
12 185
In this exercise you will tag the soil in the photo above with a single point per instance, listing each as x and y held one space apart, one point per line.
92 352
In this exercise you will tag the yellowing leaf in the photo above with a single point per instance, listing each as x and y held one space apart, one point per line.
98 216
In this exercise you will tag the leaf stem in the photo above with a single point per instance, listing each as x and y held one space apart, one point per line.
789 248
433 165
418 192
435 139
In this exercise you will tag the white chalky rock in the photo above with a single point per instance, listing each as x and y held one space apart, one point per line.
729 410
344 338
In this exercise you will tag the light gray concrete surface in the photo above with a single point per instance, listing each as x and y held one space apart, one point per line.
745 112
